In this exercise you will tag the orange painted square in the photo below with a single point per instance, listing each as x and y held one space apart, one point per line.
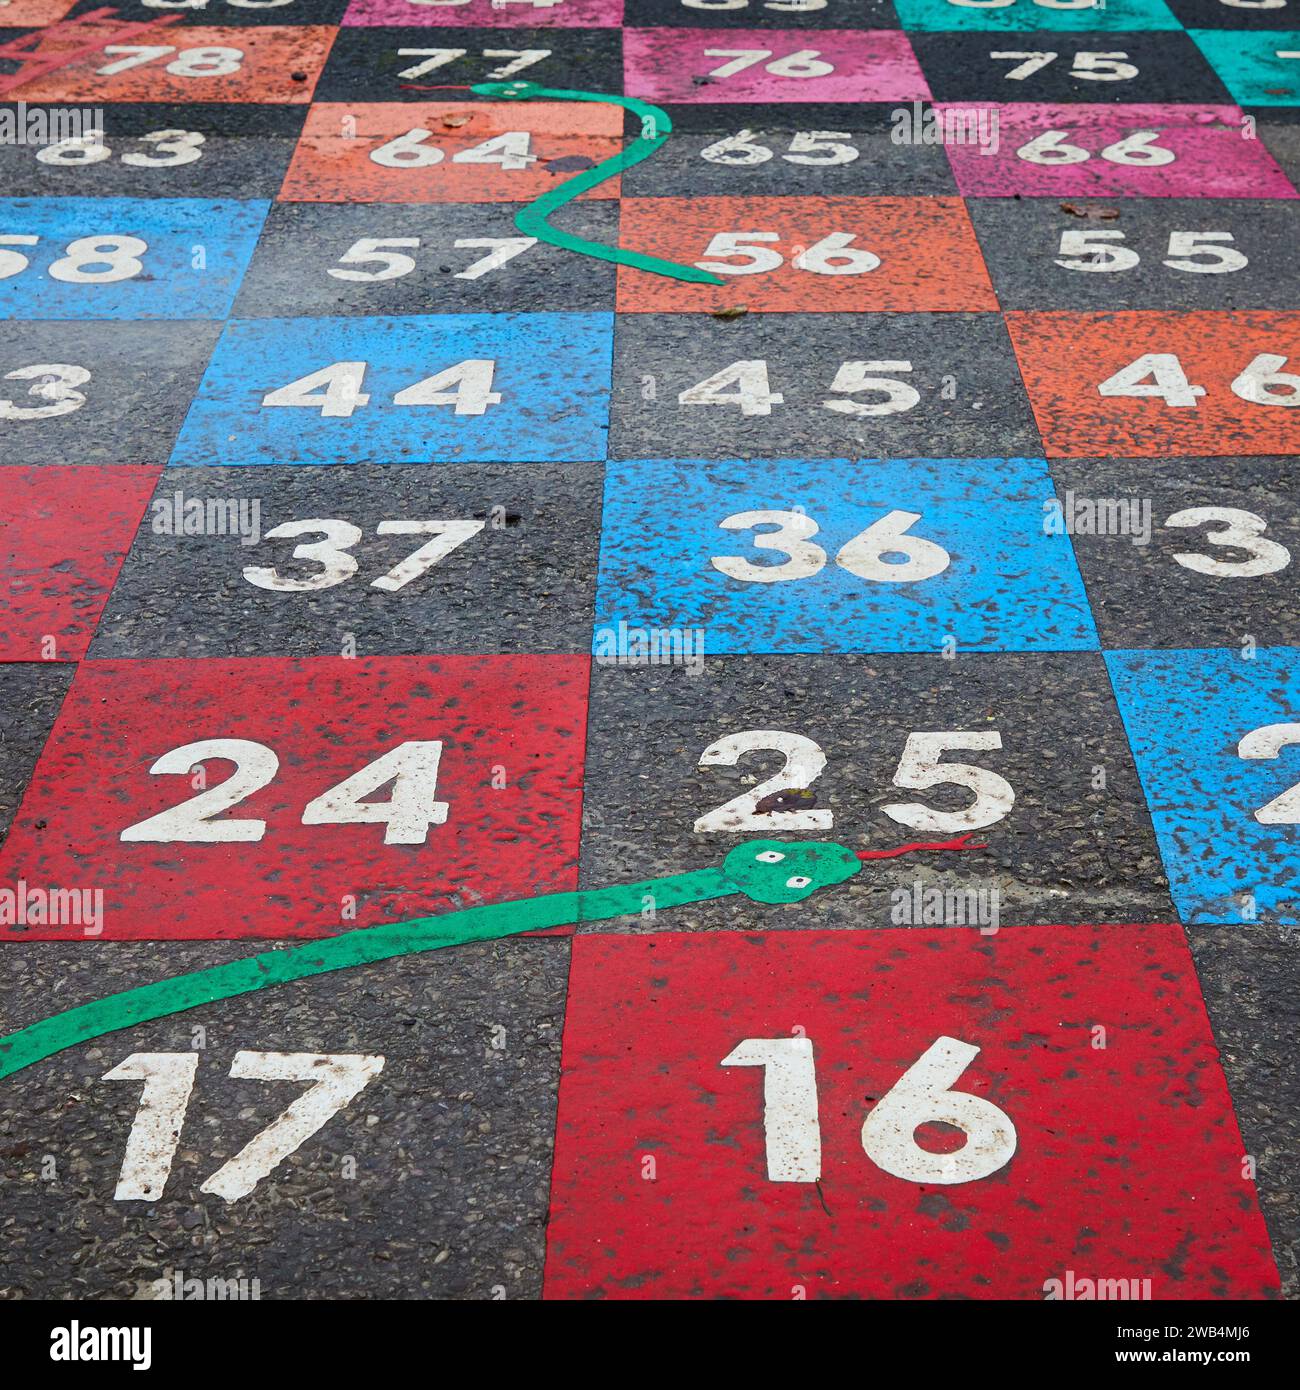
929 258
332 162
1064 357
271 55
23 14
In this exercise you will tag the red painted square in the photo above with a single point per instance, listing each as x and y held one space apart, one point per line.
190 63
64 532
515 721
1127 1160
812 255
1239 398
449 152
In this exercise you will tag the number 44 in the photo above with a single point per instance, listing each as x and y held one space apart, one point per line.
1161 374
922 1095
336 391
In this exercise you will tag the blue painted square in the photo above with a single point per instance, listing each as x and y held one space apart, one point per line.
551 372
124 258
983 572
1117 16
1187 713
1253 63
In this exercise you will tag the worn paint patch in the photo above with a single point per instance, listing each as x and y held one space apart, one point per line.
874 556
535 386
1149 151
1090 1042
63 534
111 258
1147 385
488 14
439 152
1213 733
771 65
515 721
807 255
1260 68
22 14
1051 15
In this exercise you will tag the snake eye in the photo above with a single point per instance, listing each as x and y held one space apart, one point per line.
769 856
798 881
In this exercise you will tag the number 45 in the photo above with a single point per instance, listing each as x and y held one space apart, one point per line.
922 1095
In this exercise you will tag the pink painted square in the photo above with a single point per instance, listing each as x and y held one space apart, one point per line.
487 14
762 65
1146 151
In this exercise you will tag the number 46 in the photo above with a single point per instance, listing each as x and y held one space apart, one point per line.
1262 383
922 1095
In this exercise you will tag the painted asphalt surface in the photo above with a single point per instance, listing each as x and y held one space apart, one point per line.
553 1115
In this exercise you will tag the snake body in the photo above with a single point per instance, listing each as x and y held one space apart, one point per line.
532 219
766 871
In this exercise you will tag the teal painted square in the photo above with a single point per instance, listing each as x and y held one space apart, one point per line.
1125 16
1186 714
1248 65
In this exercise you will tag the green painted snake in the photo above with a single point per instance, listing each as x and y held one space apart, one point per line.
765 871
531 220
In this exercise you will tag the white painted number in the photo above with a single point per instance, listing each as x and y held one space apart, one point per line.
864 555
412 768
1136 148
169 148
922 1095
813 147
53 382
511 150
1268 742
394 263
804 762
807 62
337 565
920 768
745 384
1094 250
335 1080
1261 382
834 254
1242 530
189 62
336 390
1093 67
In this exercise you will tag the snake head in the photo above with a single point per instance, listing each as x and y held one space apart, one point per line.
787 871
511 91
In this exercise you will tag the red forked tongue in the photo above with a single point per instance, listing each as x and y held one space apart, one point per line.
961 842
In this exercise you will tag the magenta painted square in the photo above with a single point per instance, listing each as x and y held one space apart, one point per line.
723 65
488 14
1147 151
